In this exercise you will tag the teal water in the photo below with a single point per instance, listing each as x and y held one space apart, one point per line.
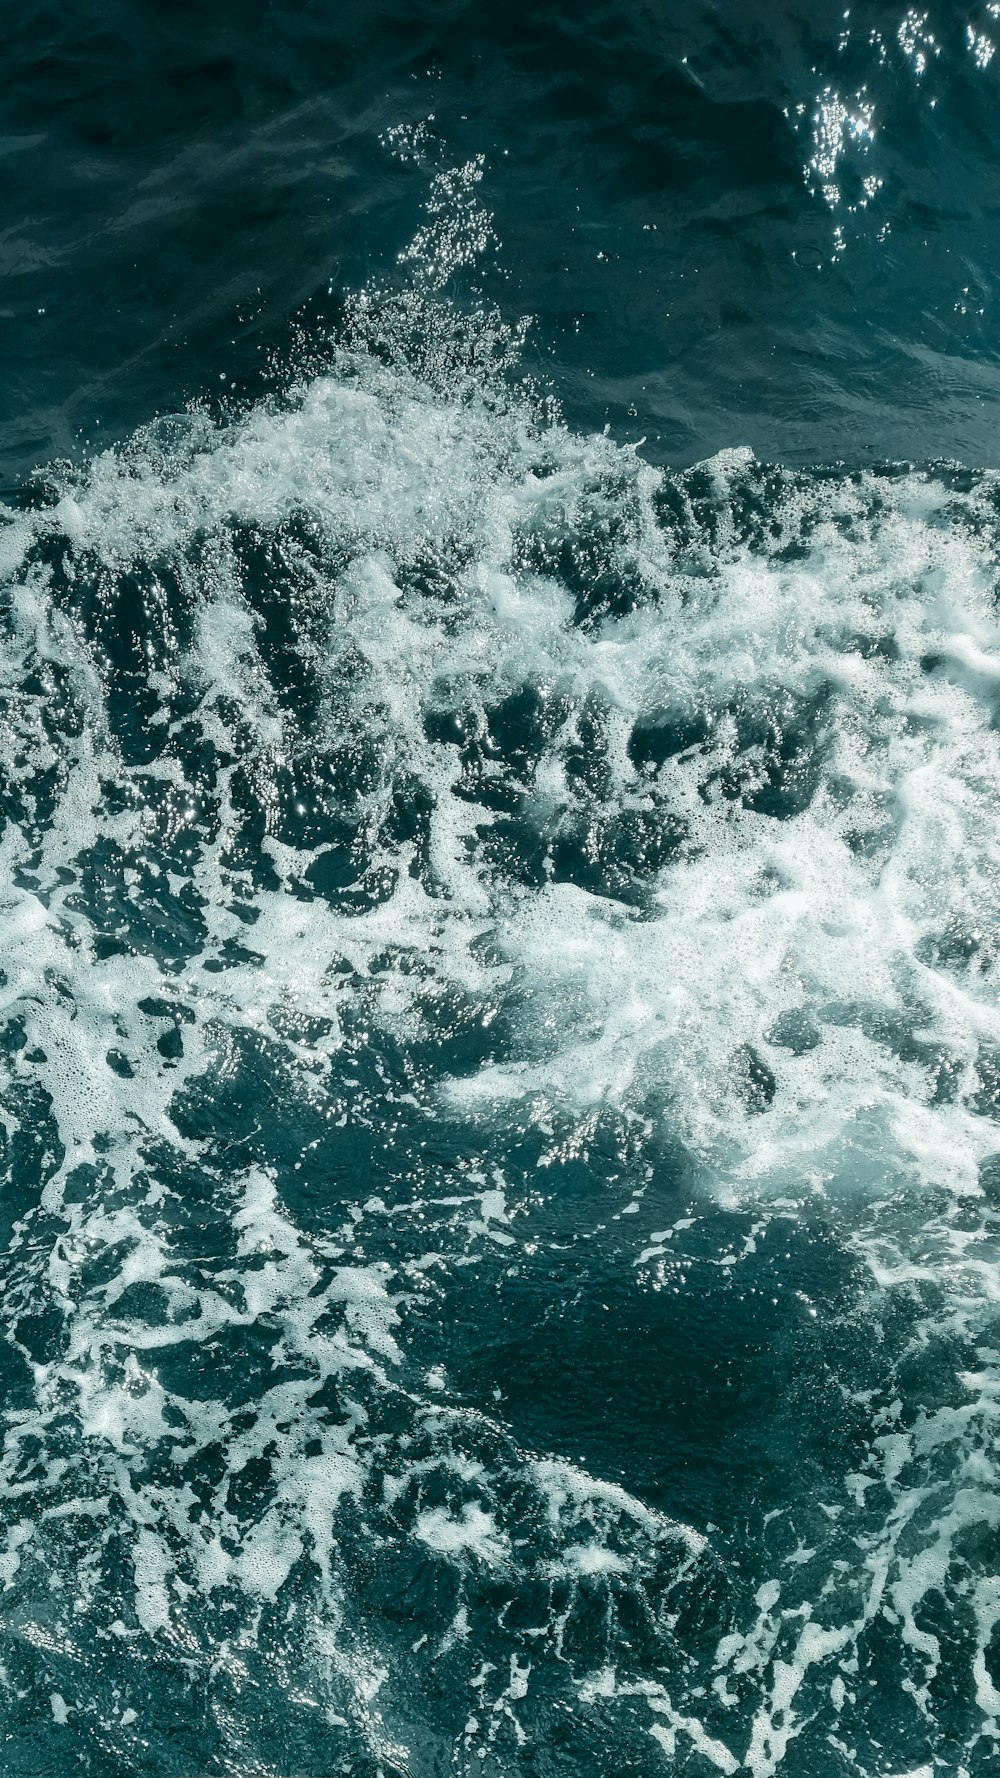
498 918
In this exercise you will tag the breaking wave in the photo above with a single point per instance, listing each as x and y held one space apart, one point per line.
492 931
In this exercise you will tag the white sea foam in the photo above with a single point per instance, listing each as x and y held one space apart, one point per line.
694 808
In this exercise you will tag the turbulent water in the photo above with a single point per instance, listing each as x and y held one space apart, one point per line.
499 962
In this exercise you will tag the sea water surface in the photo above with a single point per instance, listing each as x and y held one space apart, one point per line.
499 918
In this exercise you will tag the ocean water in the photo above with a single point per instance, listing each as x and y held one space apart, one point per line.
499 866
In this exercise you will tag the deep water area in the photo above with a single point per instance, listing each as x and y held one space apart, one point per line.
499 867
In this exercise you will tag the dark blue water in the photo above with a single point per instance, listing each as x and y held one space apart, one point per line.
180 181
499 1023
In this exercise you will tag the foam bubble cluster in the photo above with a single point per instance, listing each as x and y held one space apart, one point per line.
448 863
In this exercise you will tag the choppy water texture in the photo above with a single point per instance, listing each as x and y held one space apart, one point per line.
499 924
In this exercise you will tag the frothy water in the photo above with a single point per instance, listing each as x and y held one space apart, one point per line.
501 1084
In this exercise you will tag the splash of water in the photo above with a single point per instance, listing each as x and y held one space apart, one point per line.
407 803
